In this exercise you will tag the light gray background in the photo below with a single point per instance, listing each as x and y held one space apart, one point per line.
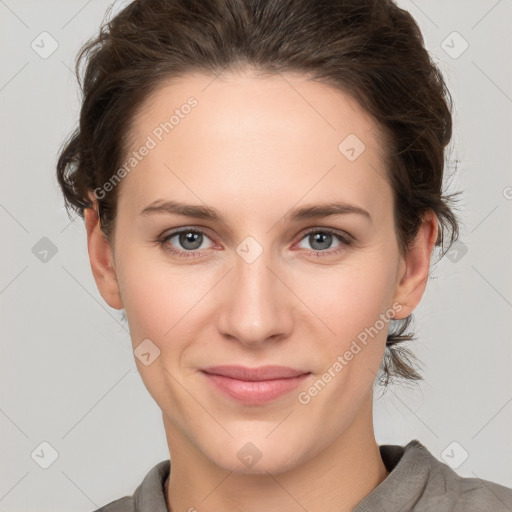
68 373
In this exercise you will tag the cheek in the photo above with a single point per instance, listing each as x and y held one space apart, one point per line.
353 301
160 303
356 308
161 300
149 296
350 298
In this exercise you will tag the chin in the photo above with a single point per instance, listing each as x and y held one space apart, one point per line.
258 458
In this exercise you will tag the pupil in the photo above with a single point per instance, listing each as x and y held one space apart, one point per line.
317 237
190 238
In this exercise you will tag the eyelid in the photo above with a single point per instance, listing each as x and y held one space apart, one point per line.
185 229
332 231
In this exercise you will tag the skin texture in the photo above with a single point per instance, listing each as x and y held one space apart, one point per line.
254 148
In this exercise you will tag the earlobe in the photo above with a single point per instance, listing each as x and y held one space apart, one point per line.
414 267
101 258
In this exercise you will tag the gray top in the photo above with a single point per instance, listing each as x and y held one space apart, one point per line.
417 482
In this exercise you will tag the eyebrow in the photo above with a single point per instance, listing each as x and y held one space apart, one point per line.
161 206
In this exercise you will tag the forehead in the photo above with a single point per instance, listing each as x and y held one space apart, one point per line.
249 136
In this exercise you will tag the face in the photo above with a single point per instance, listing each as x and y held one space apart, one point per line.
258 283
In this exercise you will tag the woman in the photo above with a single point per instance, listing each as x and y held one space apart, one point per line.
261 184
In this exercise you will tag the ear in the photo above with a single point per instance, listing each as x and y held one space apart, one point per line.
101 257
414 267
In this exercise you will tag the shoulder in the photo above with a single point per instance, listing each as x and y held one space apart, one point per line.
419 482
126 504
447 490
466 494
149 496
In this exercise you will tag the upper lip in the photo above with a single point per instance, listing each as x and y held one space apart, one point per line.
254 374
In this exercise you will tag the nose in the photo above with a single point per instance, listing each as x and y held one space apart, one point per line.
256 306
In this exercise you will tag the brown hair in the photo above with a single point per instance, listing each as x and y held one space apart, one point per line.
370 49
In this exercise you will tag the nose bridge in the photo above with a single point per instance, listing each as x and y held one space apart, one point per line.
255 305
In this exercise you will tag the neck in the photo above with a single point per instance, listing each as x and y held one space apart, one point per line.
334 480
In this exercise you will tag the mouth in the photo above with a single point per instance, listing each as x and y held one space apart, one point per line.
254 386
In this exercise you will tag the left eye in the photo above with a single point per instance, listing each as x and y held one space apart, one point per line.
322 240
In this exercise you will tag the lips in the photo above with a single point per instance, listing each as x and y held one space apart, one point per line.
254 386
255 374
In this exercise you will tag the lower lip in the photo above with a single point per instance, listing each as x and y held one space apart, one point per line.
255 392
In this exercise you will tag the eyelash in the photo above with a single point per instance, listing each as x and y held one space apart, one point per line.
346 241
